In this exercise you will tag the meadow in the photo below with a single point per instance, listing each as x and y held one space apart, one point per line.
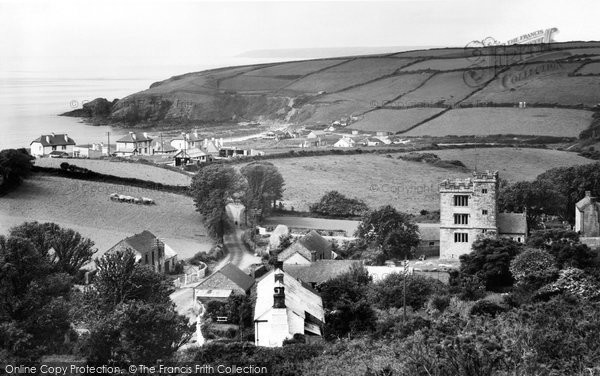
122 169
85 206
591 68
496 120
394 120
409 186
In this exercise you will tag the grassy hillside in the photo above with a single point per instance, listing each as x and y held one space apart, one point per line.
409 186
564 75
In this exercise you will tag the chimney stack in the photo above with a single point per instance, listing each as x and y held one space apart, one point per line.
145 134
66 138
279 290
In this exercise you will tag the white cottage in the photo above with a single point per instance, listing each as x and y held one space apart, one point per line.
52 145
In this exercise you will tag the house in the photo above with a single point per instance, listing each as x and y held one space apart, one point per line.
285 308
316 134
229 277
190 156
187 141
162 147
512 226
370 142
429 240
149 250
134 143
309 248
384 139
212 146
45 145
344 142
320 271
89 151
383 133
275 236
587 220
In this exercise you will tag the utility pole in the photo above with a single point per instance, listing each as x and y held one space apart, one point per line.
108 144
405 271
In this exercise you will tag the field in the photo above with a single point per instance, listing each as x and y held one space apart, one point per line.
122 169
409 186
85 207
246 83
295 68
591 68
487 120
394 120
442 52
441 64
447 87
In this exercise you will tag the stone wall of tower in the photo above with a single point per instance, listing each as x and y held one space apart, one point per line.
482 193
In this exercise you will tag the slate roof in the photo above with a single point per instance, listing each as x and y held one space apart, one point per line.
586 201
320 271
306 245
134 137
143 242
234 274
429 231
512 223
54 140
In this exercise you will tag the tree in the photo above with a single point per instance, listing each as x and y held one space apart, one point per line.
335 204
212 188
564 245
264 185
534 198
15 165
390 231
490 261
533 267
71 250
389 292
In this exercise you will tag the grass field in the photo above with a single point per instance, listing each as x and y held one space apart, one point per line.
86 207
591 68
447 87
443 52
295 68
409 186
122 169
487 120
441 64
246 83
394 120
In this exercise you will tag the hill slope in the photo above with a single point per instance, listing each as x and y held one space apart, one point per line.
381 92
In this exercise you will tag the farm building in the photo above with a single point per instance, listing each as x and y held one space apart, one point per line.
58 144
344 142
222 283
284 308
587 220
429 243
320 271
134 143
316 134
513 226
309 248
149 250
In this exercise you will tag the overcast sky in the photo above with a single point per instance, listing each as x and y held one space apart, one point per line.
53 34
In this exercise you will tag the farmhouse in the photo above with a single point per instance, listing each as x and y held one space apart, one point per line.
149 250
52 144
469 210
134 143
226 281
429 240
309 248
284 308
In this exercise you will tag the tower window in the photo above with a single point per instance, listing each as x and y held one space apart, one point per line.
461 200
484 212
484 190
461 219
461 237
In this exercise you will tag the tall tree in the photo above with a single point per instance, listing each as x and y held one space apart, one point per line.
264 185
534 198
212 188
336 204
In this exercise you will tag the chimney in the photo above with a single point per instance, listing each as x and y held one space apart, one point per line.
48 139
205 143
279 290
196 133
53 134
145 134
66 138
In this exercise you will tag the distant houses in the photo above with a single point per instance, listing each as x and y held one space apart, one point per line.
52 145
309 248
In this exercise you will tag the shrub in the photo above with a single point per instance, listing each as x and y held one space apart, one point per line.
485 307
533 267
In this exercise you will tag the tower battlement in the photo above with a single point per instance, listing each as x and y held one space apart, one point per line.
485 175
457 184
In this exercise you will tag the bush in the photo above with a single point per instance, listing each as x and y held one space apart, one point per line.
389 292
336 204
534 267
485 307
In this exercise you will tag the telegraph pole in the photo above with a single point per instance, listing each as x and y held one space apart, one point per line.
405 271
108 143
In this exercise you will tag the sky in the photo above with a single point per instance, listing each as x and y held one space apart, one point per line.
116 36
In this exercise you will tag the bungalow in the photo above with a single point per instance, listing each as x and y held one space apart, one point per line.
134 143
309 248
224 282
370 142
45 145
149 250
344 142
285 308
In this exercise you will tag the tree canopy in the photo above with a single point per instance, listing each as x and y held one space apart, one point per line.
15 165
333 203
264 185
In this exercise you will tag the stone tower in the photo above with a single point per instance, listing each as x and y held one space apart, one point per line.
468 210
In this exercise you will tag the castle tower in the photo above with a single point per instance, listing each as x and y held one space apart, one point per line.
468 210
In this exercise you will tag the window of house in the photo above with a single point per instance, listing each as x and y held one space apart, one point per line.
484 190
64 147
484 230
146 258
461 200
461 237
484 212
152 257
431 244
53 147
461 219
